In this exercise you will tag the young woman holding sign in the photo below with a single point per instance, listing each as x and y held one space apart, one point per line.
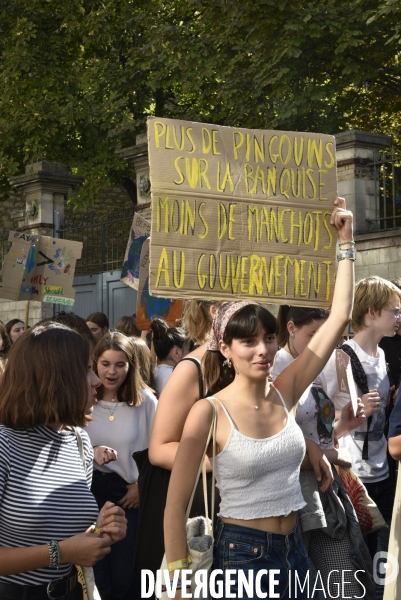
260 448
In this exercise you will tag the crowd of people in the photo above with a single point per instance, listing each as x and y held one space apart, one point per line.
79 399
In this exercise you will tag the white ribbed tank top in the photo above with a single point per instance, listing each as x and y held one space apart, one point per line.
259 478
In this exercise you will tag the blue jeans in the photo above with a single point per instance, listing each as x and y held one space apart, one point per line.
251 551
114 575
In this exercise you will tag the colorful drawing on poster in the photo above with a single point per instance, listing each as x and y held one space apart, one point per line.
39 268
30 261
62 261
54 290
148 307
140 231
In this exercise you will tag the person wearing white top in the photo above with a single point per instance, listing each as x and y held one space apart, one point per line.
122 422
330 552
377 313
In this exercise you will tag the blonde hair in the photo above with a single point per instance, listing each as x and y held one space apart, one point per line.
371 291
197 319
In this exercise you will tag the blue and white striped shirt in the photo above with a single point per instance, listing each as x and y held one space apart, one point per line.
44 492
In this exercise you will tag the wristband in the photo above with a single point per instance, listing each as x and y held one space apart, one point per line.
348 254
54 553
339 244
183 563
177 587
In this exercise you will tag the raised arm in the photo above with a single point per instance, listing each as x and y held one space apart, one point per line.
300 373
177 398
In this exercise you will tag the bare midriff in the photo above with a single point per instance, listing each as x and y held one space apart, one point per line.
283 525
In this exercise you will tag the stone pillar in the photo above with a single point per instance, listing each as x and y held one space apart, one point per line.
45 186
138 156
356 151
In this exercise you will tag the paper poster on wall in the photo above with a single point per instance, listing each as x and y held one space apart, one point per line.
148 307
241 213
41 268
140 231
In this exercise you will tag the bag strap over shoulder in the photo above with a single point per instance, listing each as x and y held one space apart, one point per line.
358 373
200 375
361 381
80 447
202 467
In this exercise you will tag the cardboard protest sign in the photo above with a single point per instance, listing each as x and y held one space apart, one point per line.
40 268
241 213
148 307
345 380
140 231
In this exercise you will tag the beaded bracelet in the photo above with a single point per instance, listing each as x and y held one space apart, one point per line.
54 553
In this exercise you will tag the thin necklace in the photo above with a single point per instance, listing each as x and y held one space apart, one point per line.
111 417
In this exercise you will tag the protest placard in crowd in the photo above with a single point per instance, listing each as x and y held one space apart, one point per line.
38 267
148 307
140 231
241 213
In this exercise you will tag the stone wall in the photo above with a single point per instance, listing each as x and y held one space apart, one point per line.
17 310
378 253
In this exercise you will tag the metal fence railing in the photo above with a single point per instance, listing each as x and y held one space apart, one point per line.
104 243
387 181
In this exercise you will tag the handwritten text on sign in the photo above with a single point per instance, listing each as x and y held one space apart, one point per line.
241 213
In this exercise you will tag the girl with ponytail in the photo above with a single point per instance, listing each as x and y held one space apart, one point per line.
170 345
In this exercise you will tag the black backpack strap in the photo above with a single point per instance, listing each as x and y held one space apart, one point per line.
200 375
358 373
361 381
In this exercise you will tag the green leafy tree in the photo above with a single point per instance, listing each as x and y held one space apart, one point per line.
79 77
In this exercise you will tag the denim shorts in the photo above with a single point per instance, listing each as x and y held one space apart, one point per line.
246 552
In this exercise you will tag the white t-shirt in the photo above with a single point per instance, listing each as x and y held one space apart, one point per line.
315 410
129 432
376 467
161 374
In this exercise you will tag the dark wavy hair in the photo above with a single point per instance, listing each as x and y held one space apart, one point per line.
165 338
246 322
